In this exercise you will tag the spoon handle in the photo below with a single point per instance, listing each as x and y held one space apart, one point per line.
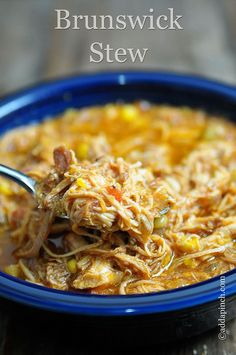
21 179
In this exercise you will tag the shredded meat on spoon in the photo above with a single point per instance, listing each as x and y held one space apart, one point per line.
108 194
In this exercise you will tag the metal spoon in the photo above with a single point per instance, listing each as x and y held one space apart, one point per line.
21 179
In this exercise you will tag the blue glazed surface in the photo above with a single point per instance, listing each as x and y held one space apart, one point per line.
46 100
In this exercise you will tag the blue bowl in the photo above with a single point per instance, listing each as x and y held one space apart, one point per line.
174 313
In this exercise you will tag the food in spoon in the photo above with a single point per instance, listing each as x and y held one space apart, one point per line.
107 195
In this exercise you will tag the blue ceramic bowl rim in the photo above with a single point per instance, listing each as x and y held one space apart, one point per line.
101 305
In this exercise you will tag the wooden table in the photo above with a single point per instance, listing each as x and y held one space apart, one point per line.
31 50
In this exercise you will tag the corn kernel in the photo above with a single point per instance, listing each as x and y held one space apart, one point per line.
129 113
188 244
160 222
81 183
5 188
190 262
72 266
12 270
82 151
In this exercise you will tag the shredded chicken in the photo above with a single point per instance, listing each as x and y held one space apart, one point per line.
98 273
57 275
108 195
149 193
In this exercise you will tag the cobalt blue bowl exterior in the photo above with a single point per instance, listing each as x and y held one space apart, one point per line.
175 313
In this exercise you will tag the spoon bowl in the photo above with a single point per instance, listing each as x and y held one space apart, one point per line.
22 180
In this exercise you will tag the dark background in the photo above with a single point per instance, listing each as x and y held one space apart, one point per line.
31 51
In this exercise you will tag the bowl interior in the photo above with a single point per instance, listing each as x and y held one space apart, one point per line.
49 99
